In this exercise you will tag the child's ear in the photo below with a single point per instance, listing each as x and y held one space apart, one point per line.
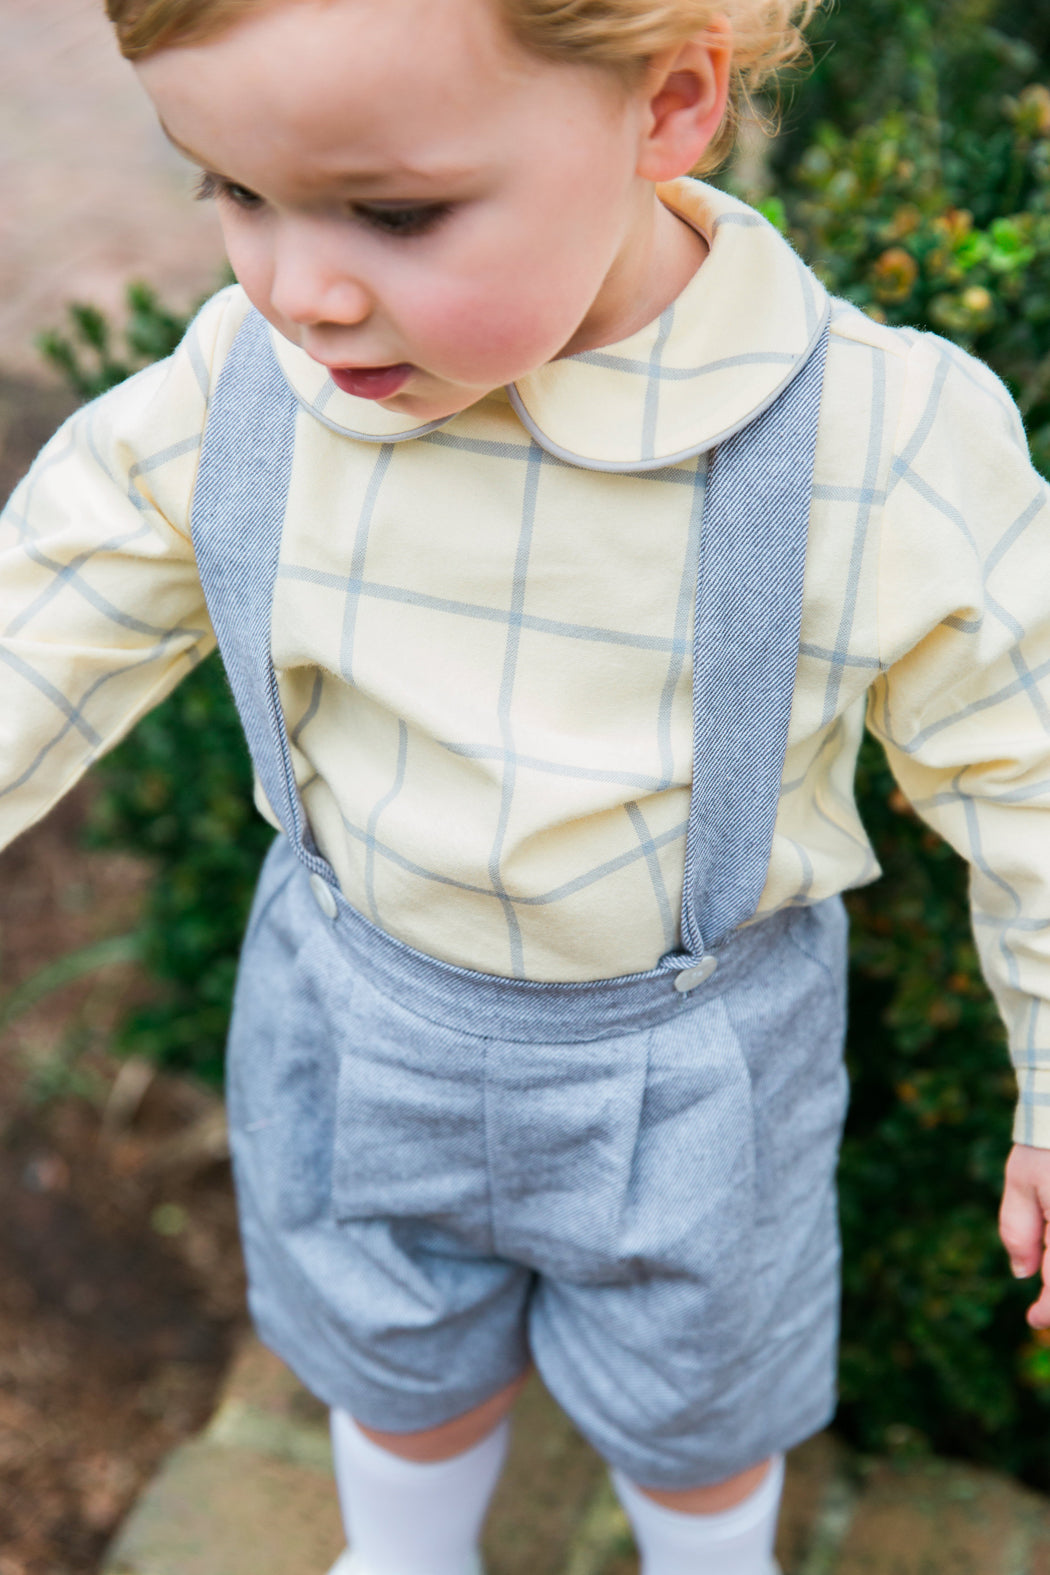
686 91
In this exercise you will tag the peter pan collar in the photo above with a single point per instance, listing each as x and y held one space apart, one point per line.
712 362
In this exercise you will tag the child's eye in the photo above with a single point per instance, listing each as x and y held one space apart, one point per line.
414 220
210 186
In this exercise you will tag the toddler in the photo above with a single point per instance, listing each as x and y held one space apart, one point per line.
557 532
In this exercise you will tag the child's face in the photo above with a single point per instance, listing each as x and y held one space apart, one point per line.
414 200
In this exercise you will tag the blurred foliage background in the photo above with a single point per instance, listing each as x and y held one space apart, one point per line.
912 171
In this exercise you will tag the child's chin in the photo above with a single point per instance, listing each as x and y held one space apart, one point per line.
434 406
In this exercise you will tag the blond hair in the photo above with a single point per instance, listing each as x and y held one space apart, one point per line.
619 35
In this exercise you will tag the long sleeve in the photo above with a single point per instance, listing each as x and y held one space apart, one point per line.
963 703
101 610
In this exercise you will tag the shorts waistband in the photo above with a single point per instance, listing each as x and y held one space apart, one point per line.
526 1010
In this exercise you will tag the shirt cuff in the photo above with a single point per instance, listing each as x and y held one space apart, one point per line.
1032 1121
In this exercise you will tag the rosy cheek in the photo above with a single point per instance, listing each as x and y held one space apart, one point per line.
492 332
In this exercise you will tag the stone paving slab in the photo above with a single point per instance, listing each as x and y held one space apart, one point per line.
254 1496
939 1517
817 1507
260 1391
547 1492
219 1511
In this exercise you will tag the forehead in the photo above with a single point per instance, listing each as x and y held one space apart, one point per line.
413 81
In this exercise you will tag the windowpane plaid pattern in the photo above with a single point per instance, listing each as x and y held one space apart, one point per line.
482 627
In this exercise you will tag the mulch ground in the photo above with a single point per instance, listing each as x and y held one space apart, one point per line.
121 1284
121 1287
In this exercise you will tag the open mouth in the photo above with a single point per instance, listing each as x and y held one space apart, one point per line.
371 382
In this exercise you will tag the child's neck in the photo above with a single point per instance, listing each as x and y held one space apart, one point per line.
647 276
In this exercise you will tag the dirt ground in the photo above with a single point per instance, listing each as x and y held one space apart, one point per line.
120 1278
121 1286
121 1289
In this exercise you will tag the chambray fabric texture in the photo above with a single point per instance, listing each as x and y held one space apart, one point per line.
427 1196
440 1172
525 810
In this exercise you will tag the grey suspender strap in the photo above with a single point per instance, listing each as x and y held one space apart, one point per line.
748 613
745 652
239 506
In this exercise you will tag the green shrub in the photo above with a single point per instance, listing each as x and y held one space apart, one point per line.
885 218
85 353
916 180
200 828
914 174
935 1350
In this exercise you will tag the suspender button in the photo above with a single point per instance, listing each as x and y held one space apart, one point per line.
324 896
699 973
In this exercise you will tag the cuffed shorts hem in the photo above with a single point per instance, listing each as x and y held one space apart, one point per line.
299 1329
763 1403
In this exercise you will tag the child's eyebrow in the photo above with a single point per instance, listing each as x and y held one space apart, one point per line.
344 177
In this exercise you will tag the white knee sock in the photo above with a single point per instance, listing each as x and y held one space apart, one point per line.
737 1541
406 1517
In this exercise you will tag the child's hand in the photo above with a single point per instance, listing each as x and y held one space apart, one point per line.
1024 1222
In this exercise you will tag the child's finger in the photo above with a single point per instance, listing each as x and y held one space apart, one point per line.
1038 1314
1021 1227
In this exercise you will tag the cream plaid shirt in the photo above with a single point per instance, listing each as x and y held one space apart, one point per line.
482 627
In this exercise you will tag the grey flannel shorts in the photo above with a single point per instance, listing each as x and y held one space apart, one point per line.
632 1186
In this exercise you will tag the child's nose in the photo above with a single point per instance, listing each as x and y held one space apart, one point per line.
311 286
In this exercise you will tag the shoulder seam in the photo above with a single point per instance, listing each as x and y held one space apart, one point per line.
889 340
